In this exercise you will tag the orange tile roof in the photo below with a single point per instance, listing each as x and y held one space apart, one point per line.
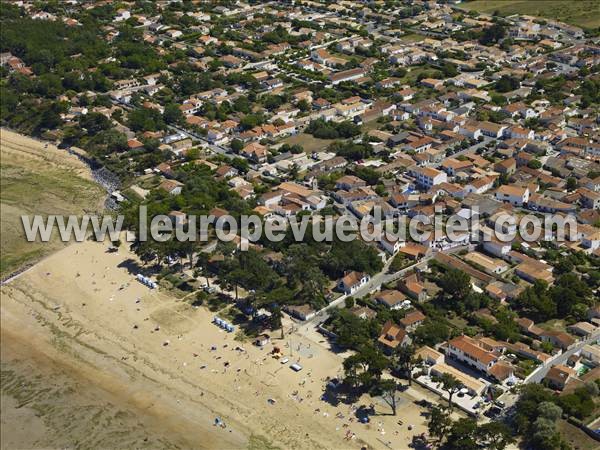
469 347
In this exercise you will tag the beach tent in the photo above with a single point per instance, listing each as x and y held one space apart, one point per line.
146 281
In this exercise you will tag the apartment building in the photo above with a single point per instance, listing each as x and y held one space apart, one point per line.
466 350
428 177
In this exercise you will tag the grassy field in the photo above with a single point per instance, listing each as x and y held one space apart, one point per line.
310 143
574 436
37 180
412 37
582 13
553 325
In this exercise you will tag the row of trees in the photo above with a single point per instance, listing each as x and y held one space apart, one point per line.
363 372
466 433
351 150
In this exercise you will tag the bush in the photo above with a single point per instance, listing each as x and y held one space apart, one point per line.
329 130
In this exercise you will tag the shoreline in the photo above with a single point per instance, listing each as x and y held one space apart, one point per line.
29 168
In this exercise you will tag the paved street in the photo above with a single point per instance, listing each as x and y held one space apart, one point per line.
538 375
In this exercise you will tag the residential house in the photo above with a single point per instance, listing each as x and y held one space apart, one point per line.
173 187
414 251
302 312
558 339
516 132
506 167
392 336
391 299
527 326
134 144
353 281
591 353
122 14
226 171
588 198
515 195
493 130
583 329
255 152
412 286
429 355
559 376
489 265
452 165
348 182
363 312
471 131
412 321
346 75
479 185
432 83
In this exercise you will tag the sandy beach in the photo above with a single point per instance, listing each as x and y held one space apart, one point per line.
91 357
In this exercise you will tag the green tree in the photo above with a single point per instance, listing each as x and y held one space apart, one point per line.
404 358
237 145
302 269
276 323
363 370
431 332
172 114
506 83
303 105
495 435
439 422
449 384
550 411
145 119
536 302
463 435
568 291
349 302
388 389
456 283
493 34
94 123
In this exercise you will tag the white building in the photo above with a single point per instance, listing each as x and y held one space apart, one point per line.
497 248
353 281
428 177
122 14
515 195
467 351
392 246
